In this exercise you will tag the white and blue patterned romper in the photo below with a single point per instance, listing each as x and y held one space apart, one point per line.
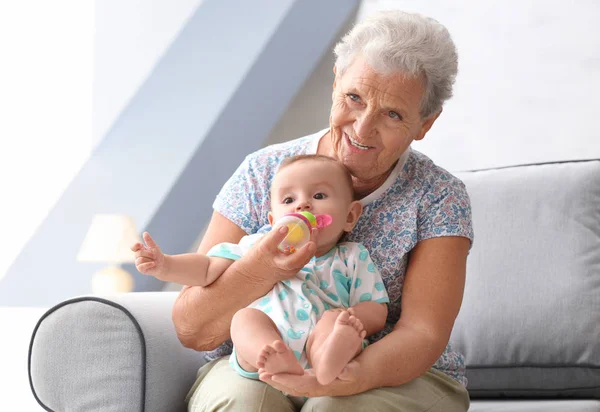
418 201
343 277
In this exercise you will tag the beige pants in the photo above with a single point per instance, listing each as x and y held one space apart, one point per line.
220 388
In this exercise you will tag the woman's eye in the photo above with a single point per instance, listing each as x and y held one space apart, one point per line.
353 97
320 196
394 115
287 200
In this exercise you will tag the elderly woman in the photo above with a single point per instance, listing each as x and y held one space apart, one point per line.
393 73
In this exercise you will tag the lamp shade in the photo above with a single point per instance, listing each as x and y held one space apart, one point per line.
109 239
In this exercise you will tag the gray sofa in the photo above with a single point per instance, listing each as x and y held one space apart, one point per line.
529 325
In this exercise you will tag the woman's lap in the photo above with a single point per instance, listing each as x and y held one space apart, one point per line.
432 392
219 387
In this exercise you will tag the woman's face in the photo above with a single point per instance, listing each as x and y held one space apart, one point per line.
374 119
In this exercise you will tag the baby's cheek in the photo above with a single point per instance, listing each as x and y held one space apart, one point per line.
327 235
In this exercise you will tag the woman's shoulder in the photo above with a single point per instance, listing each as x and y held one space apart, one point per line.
423 172
272 155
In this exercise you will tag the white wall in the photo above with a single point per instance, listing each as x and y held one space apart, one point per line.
528 83
45 110
131 36
68 69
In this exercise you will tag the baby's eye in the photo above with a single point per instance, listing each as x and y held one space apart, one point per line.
320 196
288 200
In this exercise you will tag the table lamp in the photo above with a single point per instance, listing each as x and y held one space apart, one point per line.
108 240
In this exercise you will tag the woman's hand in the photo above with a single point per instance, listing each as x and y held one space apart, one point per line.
272 264
149 259
348 383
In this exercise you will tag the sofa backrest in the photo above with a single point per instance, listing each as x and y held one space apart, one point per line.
529 325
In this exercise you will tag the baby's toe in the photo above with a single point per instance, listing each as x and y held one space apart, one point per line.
343 317
279 346
358 325
267 350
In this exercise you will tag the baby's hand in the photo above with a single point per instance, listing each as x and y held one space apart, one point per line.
149 259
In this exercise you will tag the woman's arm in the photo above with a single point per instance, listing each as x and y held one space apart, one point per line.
371 314
431 298
202 315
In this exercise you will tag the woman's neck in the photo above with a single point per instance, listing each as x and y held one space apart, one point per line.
365 188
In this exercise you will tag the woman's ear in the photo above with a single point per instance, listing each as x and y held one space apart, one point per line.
427 125
354 212
335 76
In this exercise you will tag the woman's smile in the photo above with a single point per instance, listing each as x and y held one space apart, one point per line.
355 146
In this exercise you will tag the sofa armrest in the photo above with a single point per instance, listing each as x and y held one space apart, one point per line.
117 353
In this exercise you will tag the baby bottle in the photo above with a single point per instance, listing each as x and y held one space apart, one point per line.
299 228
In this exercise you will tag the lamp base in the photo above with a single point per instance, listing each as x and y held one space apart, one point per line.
110 280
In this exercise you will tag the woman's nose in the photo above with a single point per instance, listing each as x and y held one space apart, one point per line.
363 126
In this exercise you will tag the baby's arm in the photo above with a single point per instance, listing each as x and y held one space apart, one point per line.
192 269
368 298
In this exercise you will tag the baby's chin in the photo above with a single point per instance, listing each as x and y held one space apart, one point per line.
326 246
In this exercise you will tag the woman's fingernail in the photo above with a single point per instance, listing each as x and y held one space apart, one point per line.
283 229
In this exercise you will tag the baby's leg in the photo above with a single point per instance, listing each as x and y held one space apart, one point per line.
335 341
258 344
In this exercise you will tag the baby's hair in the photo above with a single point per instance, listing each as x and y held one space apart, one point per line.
320 158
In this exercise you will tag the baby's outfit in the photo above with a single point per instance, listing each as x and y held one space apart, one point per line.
343 277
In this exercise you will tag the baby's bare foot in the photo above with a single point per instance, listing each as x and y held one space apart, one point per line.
279 358
342 345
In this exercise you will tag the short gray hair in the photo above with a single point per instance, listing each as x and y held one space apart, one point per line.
394 41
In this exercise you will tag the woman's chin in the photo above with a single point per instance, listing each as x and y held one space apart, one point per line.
357 168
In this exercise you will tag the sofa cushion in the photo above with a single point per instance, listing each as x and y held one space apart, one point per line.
529 325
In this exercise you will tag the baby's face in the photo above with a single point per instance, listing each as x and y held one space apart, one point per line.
315 186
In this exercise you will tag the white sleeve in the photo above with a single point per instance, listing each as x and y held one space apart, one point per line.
367 284
233 251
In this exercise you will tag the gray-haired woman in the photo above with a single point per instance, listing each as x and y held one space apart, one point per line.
393 73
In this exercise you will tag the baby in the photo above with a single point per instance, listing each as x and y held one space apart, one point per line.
320 317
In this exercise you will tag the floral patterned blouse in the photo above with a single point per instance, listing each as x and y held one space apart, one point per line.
418 201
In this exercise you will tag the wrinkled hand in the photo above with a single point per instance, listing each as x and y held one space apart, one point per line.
272 263
149 259
348 383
